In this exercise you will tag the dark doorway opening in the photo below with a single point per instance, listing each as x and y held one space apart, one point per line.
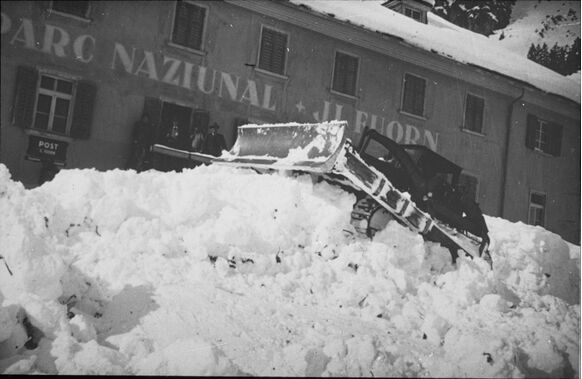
180 114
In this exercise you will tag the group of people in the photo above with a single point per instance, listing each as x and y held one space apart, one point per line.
211 143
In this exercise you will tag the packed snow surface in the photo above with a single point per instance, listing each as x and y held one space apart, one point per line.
222 271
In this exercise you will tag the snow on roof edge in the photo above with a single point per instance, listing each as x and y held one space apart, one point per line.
434 40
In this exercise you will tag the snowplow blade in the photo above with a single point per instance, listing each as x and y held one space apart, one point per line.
293 146
323 149
305 147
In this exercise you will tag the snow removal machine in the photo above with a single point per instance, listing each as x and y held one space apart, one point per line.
404 182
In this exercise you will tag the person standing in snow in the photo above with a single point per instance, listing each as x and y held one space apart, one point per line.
215 143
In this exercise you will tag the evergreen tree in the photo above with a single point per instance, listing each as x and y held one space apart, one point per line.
562 59
572 64
483 17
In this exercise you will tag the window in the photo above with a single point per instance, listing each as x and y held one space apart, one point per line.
543 136
468 185
189 23
345 73
77 8
273 51
413 13
537 207
415 9
164 113
474 113
414 92
53 104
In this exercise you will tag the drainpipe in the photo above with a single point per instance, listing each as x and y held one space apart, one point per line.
506 152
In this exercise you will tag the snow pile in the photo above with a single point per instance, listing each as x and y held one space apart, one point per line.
218 271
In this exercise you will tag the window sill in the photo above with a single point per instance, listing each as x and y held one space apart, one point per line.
201 53
68 15
423 118
48 134
535 150
271 74
469 131
345 95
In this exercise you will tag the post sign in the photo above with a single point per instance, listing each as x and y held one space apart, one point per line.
46 149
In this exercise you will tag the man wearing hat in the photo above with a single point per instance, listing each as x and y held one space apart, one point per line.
214 143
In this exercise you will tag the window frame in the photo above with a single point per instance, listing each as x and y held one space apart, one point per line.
402 110
539 133
532 205
333 72
259 50
465 126
74 16
413 10
71 97
171 42
544 137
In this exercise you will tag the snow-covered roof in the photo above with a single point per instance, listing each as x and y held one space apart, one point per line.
448 40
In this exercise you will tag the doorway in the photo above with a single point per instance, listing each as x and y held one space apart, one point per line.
174 112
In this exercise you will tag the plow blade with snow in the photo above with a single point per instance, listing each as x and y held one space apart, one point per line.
301 147
323 149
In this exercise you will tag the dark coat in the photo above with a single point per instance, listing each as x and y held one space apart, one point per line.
141 142
214 144
142 133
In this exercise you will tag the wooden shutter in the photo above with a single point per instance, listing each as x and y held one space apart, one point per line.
196 26
418 92
24 96
530 133
555 143
83 111
414 94
200 119
273 51
153 107
180 24
474 113
351 71
345 73
407 98
189 25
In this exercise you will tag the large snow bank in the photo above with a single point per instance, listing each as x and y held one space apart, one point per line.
218 271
